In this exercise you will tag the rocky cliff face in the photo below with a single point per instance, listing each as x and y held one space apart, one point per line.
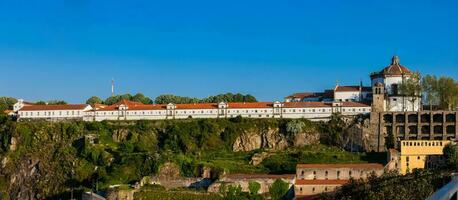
271 138
360 136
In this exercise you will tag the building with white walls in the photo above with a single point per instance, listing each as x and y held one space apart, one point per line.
386 84
315 111
53 112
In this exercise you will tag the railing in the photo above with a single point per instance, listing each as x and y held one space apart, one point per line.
448 192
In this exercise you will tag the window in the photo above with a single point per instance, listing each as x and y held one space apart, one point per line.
418 158
338 175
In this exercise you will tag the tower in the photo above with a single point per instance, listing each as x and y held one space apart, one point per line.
112 87
378 97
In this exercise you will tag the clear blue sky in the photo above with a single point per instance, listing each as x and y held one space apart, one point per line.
71 49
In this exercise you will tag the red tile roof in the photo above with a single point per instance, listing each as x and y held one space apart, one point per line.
331 166
54 107
395 69
305 104
320 182
346 88
308 197
197 106
302 95
354 104
251 105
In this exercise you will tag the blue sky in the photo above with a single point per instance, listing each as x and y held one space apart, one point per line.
72 49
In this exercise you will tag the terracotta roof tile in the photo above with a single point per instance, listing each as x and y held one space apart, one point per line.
306 104
354 104
197 106
251 105
302 95
395 69
321 182
54 107
349 88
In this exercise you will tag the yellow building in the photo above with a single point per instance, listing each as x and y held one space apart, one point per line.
419 154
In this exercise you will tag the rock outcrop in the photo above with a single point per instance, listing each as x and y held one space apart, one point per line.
120 135
272 139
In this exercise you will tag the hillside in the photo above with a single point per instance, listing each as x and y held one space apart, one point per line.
48 159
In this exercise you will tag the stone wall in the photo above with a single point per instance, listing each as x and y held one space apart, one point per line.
265 180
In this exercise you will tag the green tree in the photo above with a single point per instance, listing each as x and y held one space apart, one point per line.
230 97
429 89
170 98
51 102
294 127
451 155
6 103
139 97
411 87
333 130
115 99
94 100
254 187
447 92
278 189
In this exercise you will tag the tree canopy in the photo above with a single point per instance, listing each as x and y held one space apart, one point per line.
227 97
94 100
278 189
139 97
51 102
440 91
6 103
451 156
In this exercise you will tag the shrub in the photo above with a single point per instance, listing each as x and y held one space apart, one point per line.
278 189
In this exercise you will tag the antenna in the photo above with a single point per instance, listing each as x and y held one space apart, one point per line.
112 87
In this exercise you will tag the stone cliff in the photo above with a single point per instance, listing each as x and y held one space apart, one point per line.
273 139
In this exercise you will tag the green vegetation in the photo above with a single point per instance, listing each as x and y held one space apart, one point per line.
278 189
254 187
417 185
139 97
51 102
451 156
108 153
159 193
6 103
285 161
440 92
232 192
228 97
94 100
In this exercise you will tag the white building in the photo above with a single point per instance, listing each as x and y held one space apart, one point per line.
53 112
315 111
390 78
352 93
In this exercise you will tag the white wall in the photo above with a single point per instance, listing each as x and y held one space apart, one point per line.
347 96
312 113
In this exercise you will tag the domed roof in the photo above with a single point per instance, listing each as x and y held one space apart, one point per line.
395 68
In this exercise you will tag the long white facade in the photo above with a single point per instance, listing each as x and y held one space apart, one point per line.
128 110
315 111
